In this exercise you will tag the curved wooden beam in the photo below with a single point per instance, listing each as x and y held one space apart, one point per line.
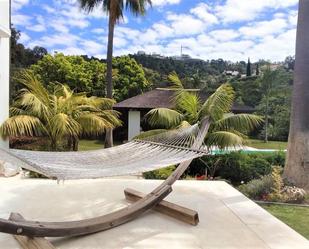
105 222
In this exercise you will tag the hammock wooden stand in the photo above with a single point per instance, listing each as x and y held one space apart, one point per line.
30 234
178 212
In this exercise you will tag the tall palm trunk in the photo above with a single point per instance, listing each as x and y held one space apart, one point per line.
297 163
266 118
109 70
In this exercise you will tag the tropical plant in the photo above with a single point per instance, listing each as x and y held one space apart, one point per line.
226 129
58 115
268 78
115 10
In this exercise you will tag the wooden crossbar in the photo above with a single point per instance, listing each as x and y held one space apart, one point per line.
27 242
170 209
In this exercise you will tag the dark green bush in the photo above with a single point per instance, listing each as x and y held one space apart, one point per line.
239 167
236 167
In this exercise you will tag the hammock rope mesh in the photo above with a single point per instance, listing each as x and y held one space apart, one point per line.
137 156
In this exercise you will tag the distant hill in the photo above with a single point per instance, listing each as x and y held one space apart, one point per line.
187 67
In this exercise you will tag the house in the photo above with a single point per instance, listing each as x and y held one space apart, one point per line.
231 73
5 34
134 109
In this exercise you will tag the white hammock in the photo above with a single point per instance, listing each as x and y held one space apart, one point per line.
168 148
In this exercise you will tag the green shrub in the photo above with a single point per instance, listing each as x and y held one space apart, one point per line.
257 188
161 174
274 158
240 167
237 167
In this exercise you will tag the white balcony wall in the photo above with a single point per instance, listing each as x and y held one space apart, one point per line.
4 62
134 124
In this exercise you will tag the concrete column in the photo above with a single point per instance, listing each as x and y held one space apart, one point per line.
4 62
134 124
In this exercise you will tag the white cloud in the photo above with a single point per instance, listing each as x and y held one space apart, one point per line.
264 28
202 11
98 31
24 37
59 26
224 34
185 24
48 9
275 48
71 51
37 28
22 20
163 30
120 42
293 15
246 10
18 4
161 3
92 47
51 41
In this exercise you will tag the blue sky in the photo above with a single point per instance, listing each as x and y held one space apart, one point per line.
210 29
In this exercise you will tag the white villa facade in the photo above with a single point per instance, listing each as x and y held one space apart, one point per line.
5 34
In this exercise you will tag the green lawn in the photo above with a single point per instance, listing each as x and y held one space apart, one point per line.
295 217
260 144
91 144
87 144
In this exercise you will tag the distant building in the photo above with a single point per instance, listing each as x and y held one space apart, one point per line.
156 55
141 52
183 57
231 73
134 109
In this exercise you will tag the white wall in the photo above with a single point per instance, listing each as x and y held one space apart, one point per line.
4 61
134 124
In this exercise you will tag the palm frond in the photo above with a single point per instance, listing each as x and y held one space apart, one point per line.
218 103
112 116
240 122
163 117
189 105
224 139
137 7
63 125
102 103
32 103
22 125
90 5
183 124
14 111
93 124
32 83
175 81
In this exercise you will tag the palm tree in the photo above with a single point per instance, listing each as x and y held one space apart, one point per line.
267 81
60 115
297 163
226 129
115 10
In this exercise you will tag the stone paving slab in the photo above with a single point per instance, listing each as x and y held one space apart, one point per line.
227 218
